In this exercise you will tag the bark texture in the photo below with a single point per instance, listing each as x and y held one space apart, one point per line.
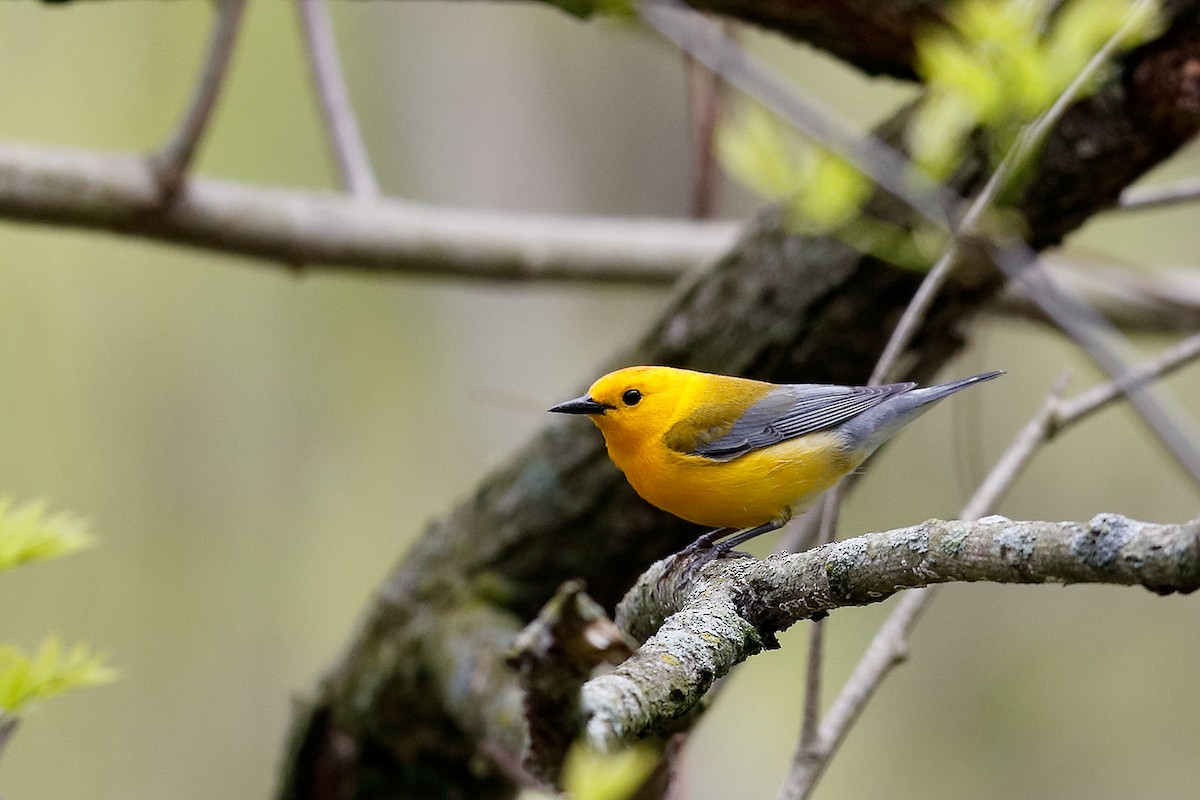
424 703
696 627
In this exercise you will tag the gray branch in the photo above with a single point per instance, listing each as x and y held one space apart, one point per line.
121 194
696 631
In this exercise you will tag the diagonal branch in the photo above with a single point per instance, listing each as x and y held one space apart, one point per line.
171 163
889 647
1139 198
341 124
888 168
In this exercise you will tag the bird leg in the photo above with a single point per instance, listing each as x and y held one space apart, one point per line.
712 540
707 540
726 546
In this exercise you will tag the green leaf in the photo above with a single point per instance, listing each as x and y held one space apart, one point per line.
28 534
591 775
833 192
25 680
759 151
938 132
953 67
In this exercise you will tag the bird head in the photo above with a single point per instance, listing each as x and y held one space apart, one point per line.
632 405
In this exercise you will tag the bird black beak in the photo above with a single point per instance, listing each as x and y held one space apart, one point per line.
580 405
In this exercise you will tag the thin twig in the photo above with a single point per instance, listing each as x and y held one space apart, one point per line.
806 769
1165 301
8 724
1093 333
1018 453
932 201
74 188
808 763
704 95
341 124
1027 144
890 644
1091 401
170 164
830 511
706 43
1138 198
887 650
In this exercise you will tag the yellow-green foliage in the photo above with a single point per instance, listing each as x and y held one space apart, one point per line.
589 775
26 679
820 193
28 534
998 64
994 66
819 190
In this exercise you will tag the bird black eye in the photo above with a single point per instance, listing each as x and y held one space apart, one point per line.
631 397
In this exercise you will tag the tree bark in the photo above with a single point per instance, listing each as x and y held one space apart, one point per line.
733 608
424 704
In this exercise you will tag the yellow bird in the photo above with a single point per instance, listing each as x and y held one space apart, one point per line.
738 454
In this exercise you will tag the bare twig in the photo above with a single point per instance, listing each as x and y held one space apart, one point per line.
1032 436
1138 198
890 644
705 42
1096 337
341 124
1091 401
817 745
171 163
1166 301
887 650
118 193
830 510
1024 148
813 749
7 726
704 106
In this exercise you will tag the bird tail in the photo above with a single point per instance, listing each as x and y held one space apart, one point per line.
875 426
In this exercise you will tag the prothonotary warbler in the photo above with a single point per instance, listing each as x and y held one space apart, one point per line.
743 455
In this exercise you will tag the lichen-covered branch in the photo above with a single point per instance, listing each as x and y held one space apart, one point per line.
735 607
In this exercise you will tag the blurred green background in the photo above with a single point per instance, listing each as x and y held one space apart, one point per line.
255 449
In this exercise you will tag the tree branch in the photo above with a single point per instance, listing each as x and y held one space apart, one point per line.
119 193
341 124
396 717
889 647
170 164
7 727
734 608
1138 198
1148 302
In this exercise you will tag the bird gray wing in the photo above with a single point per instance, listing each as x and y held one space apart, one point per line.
795 410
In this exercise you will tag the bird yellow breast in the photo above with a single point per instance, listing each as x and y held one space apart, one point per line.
761 486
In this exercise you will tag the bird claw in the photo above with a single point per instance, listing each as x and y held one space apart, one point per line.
688 562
